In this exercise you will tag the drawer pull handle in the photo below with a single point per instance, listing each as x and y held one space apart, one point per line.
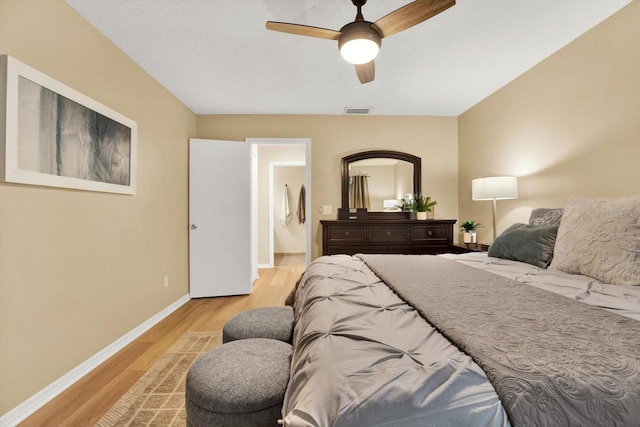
388 234
346 234
429 233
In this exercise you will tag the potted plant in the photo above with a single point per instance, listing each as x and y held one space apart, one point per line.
469 231
405 205
421 205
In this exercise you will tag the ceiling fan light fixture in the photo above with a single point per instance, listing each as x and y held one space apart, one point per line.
359 42
359 51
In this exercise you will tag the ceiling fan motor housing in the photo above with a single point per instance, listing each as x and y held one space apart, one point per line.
359 30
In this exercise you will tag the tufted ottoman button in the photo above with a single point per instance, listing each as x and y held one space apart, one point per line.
241 383
264 322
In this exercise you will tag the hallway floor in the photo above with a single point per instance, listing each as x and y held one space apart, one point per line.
289 260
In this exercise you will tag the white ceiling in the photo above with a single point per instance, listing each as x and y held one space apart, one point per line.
217 57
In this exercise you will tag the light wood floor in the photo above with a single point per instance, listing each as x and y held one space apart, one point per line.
289 260
84 403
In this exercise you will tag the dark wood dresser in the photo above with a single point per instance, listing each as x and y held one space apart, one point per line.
405 236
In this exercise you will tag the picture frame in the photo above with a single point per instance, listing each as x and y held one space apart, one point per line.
52 135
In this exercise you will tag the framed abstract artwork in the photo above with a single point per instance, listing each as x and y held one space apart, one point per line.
51 135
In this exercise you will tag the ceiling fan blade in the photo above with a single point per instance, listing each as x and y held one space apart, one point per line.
410 15
366 72
303 30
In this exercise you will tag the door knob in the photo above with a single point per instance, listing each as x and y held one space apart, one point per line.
193 226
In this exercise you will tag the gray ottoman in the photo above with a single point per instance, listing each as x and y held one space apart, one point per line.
241 383
265 322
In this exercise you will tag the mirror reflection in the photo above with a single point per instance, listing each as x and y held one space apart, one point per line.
379 184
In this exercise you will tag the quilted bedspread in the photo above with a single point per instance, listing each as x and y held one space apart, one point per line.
552 361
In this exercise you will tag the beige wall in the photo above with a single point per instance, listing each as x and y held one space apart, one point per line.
332 137
80 269
570 125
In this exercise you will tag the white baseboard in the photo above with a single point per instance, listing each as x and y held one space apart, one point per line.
268 265
44 396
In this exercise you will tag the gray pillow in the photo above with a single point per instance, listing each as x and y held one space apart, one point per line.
600 238
544 216
532 244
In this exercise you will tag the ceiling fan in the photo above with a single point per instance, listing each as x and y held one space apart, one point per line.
360 40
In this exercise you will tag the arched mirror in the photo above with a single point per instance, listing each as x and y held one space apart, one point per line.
378 180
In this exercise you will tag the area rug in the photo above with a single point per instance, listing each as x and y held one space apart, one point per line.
157 398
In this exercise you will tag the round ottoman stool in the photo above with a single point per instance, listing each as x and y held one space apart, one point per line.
264 322
241 383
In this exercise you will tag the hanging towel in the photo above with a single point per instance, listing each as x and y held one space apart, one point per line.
302 216
285 213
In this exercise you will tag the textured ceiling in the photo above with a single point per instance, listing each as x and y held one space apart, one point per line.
217 57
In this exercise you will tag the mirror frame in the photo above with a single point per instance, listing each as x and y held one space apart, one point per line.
374 154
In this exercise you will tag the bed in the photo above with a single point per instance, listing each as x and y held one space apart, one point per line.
480 339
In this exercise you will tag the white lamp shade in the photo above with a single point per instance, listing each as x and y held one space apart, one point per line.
494 187
359 51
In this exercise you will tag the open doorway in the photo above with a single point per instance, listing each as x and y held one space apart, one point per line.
269 154
287 223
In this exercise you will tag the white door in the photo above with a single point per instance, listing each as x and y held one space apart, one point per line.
219 215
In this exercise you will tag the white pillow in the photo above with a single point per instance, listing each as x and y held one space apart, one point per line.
600 238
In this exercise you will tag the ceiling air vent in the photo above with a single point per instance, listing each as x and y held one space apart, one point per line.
352 110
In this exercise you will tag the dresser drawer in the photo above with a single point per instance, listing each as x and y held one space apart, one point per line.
394 234
429 232
346 234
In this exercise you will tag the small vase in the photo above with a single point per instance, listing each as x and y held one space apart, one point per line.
469 237
421 215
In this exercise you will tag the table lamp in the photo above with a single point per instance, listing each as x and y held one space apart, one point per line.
494 188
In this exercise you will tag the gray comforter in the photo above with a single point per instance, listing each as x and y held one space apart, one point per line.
363 356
